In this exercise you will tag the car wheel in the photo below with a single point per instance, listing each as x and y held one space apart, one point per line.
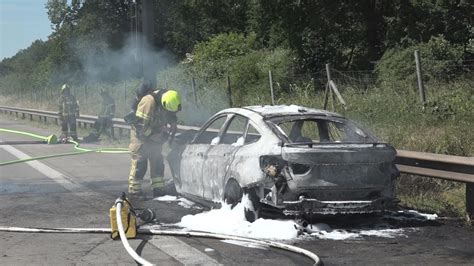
251 205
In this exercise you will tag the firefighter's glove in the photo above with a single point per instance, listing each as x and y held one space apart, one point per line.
130 118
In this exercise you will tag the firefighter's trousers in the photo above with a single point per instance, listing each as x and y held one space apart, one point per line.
142 153
68 126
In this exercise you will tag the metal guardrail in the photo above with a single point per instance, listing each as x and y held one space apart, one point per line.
83 120
448 167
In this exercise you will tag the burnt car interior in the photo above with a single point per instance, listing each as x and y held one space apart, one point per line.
318 130
233 130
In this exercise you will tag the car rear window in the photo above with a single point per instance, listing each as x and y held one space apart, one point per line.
313 130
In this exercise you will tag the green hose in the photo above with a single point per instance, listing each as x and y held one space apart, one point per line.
52 139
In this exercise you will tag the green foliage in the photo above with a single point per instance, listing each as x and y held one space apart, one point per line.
233 55
214 58
440 59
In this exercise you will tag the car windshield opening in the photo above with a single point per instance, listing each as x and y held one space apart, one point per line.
316 130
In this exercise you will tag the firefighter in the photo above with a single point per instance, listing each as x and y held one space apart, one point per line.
68 112
155 123
104 120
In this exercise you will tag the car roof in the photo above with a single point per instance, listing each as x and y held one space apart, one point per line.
282 110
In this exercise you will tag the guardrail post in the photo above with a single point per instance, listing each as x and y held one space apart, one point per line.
470 201
23 116
31 117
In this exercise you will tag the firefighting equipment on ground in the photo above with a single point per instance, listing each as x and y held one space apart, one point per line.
153 125
128 219
68 112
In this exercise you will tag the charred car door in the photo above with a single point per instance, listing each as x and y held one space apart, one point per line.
219 156
194 156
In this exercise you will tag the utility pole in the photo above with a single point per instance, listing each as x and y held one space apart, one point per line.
149 66
135 29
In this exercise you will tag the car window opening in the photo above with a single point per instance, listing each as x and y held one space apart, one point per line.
312 130
210 135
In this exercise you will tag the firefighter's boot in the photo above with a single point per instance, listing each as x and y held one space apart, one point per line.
158 185
135 190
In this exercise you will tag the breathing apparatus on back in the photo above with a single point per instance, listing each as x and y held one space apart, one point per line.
168 100
142 91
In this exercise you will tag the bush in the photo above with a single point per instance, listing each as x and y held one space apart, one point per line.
213 57
440 59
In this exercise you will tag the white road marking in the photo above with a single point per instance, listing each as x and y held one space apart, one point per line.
181 251
58 177
172 246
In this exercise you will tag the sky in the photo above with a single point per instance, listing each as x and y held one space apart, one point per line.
21 23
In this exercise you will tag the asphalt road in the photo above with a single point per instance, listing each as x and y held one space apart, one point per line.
78 191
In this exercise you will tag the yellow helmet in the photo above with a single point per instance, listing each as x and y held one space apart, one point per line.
171 101
64 88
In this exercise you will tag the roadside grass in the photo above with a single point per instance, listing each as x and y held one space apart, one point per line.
445 200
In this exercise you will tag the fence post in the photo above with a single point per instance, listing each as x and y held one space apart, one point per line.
270 80
419 77
124 93
338 94
328 88
193 86
229 92
470 201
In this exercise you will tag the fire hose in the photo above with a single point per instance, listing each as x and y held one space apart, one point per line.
124 239
294 249
52 139
142 261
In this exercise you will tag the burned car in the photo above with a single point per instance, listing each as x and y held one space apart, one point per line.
289 159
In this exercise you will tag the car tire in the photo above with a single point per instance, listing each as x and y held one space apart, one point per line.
251 205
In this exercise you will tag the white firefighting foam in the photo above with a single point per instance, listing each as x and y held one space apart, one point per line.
185 203
231 221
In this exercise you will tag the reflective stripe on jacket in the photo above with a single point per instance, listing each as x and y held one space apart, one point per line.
153 118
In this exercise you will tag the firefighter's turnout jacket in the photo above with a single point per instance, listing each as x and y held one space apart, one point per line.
68 112
146 140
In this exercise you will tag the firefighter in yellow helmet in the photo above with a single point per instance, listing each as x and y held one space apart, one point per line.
68 112
155 123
